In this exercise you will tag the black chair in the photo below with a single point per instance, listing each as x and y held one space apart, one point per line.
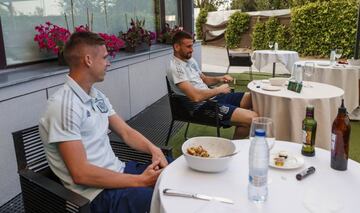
240 60
42 191
181 111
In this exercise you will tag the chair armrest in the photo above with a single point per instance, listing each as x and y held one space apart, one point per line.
52 194
167 150
126 153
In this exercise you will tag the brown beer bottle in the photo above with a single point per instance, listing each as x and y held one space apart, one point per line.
340 134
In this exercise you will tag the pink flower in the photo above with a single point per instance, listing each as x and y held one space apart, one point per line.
113 43
82 28
51 37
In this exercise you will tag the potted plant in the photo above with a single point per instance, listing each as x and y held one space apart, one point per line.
137 38
112 42
52 38
167 34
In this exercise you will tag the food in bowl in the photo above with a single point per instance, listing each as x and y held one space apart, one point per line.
198 151
278 81
216 147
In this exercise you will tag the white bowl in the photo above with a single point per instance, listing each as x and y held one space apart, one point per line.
216 147
277 81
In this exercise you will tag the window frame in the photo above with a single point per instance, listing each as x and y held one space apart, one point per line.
2 49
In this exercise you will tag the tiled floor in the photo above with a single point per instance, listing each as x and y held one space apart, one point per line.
153 122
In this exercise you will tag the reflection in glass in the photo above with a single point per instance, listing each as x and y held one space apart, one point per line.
171 13
19 19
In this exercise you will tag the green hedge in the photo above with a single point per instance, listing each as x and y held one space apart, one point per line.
200 20
258 36
324 25
315 29
271 25
283 37
238 24
271 30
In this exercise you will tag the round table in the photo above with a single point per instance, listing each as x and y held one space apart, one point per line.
262 58
326 189
344 76
287 109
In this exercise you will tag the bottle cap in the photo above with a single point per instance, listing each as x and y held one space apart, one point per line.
342 108
309 107
260 132
310 110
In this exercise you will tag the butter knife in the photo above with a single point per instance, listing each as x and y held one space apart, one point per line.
173 192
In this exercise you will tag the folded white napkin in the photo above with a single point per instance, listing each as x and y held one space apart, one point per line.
316 202
217 207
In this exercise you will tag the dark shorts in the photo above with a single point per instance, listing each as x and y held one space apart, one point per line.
227 104
125 200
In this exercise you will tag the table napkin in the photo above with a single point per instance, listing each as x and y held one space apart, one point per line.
316 202
217 207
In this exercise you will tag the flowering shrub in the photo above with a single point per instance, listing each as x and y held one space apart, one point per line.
51 37
82 28
136 34
113 44
167 34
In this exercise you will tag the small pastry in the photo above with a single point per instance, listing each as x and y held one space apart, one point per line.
283 154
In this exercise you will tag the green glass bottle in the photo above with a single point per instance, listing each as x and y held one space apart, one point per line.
309 132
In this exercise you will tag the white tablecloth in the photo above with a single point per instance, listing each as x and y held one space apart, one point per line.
262 58
288 108
343 76
326 190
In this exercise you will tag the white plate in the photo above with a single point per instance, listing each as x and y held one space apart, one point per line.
292 161
265 81
323 64
271 88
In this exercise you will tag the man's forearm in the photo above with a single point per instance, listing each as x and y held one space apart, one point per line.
94 176
138 142
212 80
205 94
131 137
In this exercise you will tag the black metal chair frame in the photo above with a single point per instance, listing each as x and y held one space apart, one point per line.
42 191
239 59
179 112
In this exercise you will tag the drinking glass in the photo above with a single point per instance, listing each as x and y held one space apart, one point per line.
271 44
338 53
265 124
232 85
309 69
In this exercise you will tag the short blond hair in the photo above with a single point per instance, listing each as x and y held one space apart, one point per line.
78 40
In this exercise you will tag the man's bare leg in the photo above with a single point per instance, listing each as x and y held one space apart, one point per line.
246 102
241 132
242 119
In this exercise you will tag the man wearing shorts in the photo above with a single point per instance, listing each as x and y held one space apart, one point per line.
186 78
